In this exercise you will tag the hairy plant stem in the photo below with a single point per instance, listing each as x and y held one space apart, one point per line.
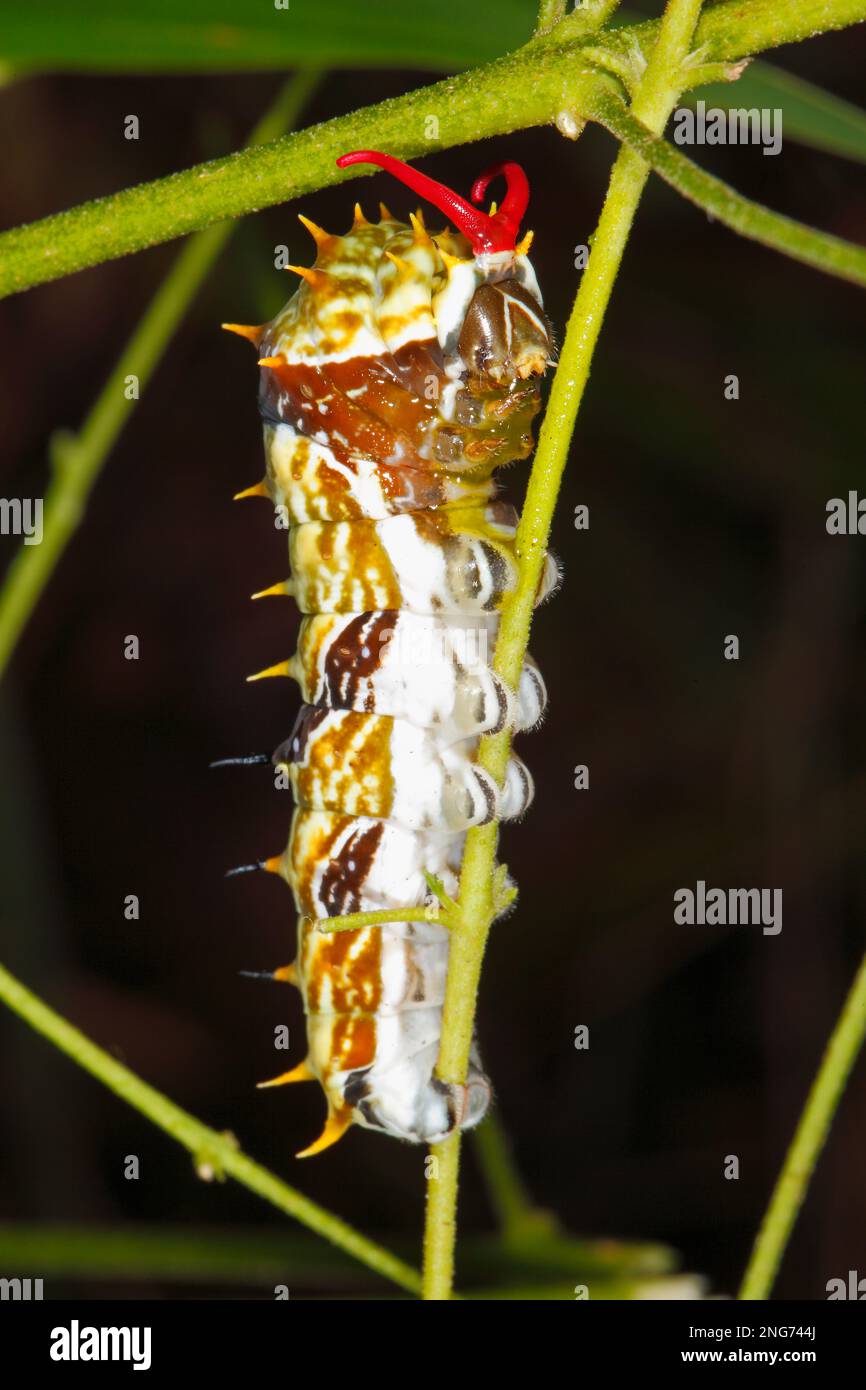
527 88
809 1139
654 99
77 460
820 250
215 1155
377 917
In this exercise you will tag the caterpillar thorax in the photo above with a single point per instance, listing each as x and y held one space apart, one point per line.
401 373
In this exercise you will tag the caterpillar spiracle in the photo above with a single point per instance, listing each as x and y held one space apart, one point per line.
399 376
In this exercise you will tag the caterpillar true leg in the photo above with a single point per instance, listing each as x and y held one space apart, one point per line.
403 371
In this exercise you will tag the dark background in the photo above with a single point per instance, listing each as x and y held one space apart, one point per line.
707 518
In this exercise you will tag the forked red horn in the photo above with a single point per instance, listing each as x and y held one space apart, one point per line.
485 232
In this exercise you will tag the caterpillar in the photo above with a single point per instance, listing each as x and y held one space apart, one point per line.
403 371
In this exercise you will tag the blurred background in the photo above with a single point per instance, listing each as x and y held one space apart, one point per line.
707 518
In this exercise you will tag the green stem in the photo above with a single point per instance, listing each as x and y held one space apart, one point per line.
440 1220
652 104
817 249
378 917
522 89
262 1255
211 1151
809 1139
78 460
181 1252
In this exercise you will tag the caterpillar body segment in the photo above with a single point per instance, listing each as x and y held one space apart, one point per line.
402 372
351 761
451 560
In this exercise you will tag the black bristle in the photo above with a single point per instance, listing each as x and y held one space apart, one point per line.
245 869
249 760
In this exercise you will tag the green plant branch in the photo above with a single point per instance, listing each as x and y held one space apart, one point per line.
78 459
809 1139
261 1257
653 101
214 1154
469 106
256 1256
378 917
676 1286
820 250
526 88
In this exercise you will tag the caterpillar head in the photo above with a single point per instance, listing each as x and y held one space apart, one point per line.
489 315
504 334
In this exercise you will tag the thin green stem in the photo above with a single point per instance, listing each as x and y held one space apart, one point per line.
522 89
652 104
268 1255
78 459
440 1221
139 1251
379 917
214 1154
817 249
677 1286
809 1139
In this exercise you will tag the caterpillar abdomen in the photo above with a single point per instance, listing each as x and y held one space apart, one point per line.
399 376
335 760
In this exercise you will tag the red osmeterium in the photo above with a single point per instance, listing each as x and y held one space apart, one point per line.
485 232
